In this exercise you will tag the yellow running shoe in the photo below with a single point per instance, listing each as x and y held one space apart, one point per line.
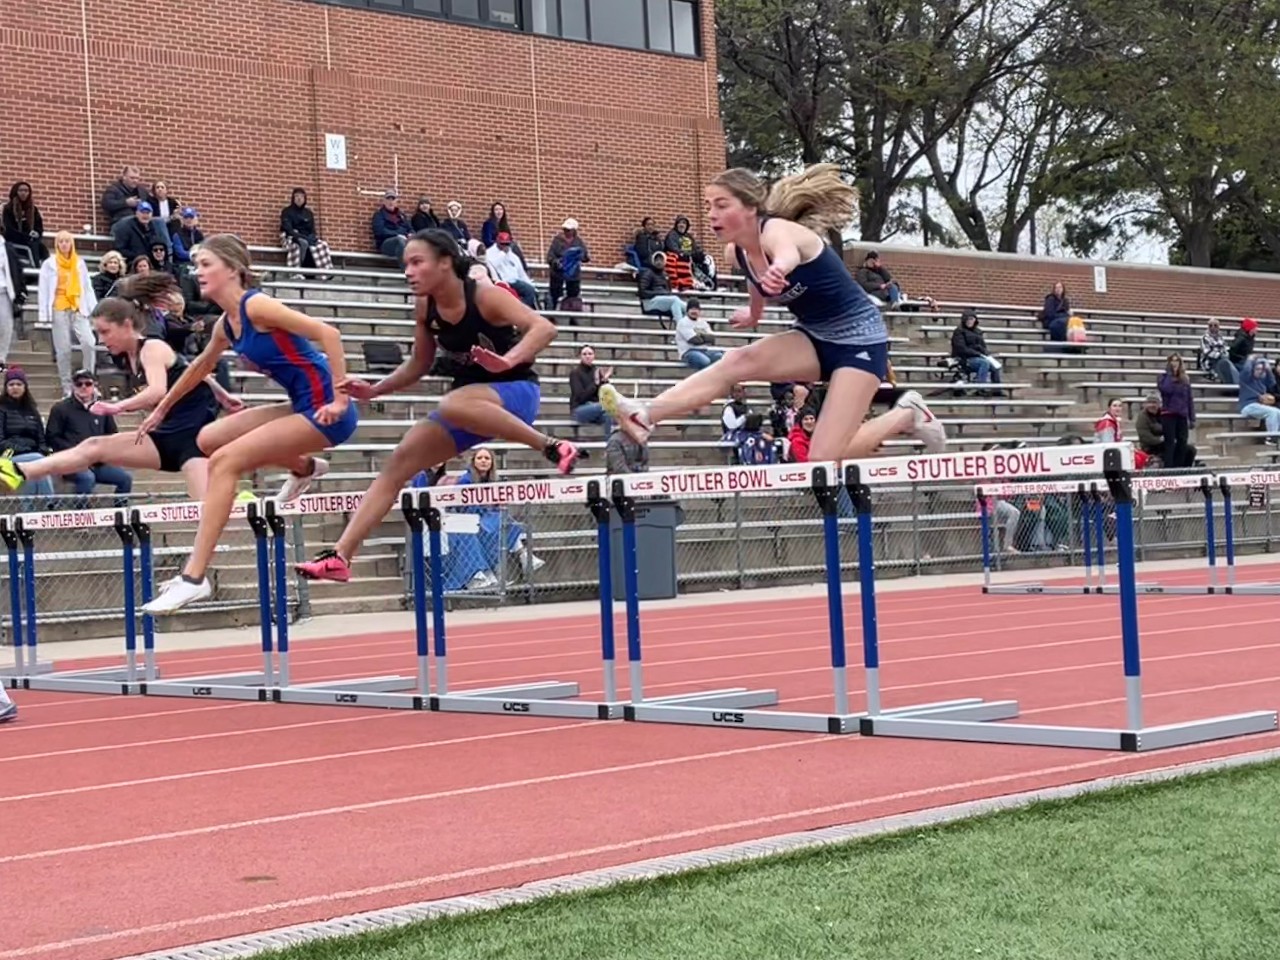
10 475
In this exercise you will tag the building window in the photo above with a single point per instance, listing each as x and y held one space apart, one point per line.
684 27
546 17
505 13
464 9
619 22
659 12
573 19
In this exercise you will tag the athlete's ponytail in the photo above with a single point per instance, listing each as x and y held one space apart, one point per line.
146 289
817 197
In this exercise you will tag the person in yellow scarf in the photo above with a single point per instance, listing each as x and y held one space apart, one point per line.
67 301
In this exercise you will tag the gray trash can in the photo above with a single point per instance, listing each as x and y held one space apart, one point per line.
656 522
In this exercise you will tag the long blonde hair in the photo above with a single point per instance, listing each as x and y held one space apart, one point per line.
816 197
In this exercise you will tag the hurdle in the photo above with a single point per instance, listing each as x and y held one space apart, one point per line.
250 685
535 698
1092 509
747 709
1268 478
1115 463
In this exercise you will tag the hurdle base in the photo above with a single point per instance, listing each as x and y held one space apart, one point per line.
388 692
1088 738
224 686
1025 589
1254 589
549 698
724 711
108 680
15 681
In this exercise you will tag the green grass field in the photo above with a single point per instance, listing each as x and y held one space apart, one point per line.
1184 870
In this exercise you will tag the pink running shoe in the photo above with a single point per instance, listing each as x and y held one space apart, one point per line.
564 455
326 566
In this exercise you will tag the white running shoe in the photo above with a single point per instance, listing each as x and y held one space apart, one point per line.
926 428
176 594
631 415
295 486
8 711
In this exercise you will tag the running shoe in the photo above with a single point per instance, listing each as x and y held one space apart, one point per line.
10 473
8 711
326 566
926 428
176 594
631 415
295 486
563 454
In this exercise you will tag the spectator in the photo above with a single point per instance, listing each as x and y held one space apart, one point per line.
1107 429
690 269
160 259
1150 430
1212 349
801 435
391 231
624 455
647 242
585 381
734 416
23 225
111 267
1258 396
122 198
655 289
424 218
186 235
565 259
13 294
140 264
694 338
22 429
753 444
66 303
474 559
135 236
1177 410
874 278
496 224
969 346
1056 313
787 405
302 245
1240 351
506 266
71 423
165 210
455 226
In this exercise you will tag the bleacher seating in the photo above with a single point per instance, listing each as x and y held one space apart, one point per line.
1047 393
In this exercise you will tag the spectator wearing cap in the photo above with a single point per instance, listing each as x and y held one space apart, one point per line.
506 266
874 278
391 229
22 431
1239 352
565 259
71 423
455 226
187 235
134 236
298 238
121 198
424 218
969 346
66 302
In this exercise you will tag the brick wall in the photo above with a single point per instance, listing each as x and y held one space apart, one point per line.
1013 279
228 102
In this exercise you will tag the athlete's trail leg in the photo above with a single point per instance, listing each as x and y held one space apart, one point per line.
424 447
479 410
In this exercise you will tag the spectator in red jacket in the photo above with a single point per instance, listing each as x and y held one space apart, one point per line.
802 435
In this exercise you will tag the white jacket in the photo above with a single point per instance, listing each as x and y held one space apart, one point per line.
49 289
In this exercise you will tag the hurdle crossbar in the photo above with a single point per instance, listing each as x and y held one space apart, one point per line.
1115 462
1266 478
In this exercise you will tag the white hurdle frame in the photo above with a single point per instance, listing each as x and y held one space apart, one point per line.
1267 478
748 709
1116 462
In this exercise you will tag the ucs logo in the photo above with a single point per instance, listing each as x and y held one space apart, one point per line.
722 717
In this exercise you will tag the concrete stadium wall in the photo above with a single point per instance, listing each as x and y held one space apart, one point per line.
229 102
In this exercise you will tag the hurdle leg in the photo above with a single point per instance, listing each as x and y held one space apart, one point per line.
280 559
15 605
1086 535
599 507
142 532
1228 533
1100 539
984 526
1210 536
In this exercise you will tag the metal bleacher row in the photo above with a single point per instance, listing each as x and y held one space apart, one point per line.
1045 395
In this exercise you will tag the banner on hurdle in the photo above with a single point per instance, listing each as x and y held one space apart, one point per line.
1135 735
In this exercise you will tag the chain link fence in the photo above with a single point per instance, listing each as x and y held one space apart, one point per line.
497 556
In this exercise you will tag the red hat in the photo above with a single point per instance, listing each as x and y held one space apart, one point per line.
504 237
1248 324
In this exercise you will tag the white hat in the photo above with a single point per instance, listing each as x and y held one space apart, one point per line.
570 224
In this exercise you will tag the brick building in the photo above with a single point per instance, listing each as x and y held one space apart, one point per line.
230 102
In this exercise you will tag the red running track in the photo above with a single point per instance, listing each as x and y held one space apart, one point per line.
136 824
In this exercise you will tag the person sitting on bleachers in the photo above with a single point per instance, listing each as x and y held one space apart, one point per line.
391 229
1056 312
801 435
111 268
647 242
298 238
734 416
133 236
655 289
140 264
124 195
1258 396
1240 351
682 244
160 259
585 381
23 225
874 278
22 432
454 225
1212 349
565 259
70 424
496 223
1150 431
166 210
969 346
753 445
424 218
786 408
624 455
503 263
694 338
186 235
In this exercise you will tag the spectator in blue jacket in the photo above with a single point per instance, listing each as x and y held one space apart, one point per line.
1056 313
1258 395
565 258
391 229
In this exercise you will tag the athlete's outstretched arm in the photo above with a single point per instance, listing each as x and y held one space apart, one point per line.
503 310
155 357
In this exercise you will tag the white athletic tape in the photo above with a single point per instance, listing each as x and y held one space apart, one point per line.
993 464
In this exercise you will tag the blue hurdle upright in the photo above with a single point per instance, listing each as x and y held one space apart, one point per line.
1116 462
